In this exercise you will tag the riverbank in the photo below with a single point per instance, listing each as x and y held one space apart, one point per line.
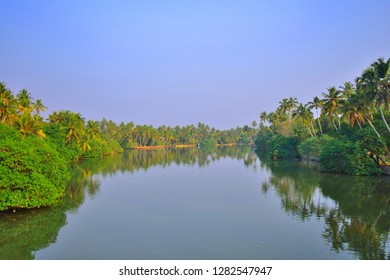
179 146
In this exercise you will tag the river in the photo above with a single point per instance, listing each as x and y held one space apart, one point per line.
185 204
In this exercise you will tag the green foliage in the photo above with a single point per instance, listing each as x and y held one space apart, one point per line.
32 174
344 156
56 135
207 142
311 148
286 147
370 141
95 150
275 144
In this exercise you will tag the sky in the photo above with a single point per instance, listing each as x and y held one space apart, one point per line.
184 62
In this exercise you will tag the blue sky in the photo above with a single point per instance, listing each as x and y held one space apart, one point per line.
184 62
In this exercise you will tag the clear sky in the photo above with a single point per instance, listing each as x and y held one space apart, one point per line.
184 62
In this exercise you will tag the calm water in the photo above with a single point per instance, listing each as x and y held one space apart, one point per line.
193 204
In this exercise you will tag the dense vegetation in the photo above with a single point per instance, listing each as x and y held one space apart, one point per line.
34 152
350 134
347 130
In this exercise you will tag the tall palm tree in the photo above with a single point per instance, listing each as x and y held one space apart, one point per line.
375 84
331 104
74 127
30 125
24 101
286 106
353 110
7 105
93 129
263 117
316 104
303 113
382 93
347 90
38 106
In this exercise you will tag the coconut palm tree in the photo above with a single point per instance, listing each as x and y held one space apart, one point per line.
38 106
74 127
7 105
303 113
382 93
331 104
316 104
347 90
263 117
24 101
93 129
375 84
30 125
353 110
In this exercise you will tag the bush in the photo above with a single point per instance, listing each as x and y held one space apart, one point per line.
347 157
311 149
207 142
283 147
56 135
32 174
95 150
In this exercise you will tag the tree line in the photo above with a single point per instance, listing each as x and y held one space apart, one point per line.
349 121
35 152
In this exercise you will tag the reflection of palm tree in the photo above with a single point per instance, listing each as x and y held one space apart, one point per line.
357 222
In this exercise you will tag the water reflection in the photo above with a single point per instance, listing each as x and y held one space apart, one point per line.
25 232
356 210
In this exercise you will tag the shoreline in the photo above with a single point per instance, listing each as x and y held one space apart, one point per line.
178 146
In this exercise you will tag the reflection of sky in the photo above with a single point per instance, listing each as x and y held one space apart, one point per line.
187 212
180 62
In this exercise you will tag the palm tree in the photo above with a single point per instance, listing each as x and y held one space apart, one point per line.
375 84
62 117
347 90
382 93
353 110
286 106
38 106
302 112
93 129
263 117
331 105
7 105
30 125
74 127
316 104
24 101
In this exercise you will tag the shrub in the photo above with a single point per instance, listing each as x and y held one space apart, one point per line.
32 174
285 148
56 135
311 149
95 150
344 156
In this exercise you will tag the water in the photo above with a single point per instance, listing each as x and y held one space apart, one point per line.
191 204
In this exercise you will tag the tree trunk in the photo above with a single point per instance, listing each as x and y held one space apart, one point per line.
360 126
308 129
377 133
384 119
312 127
319 123
335 126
